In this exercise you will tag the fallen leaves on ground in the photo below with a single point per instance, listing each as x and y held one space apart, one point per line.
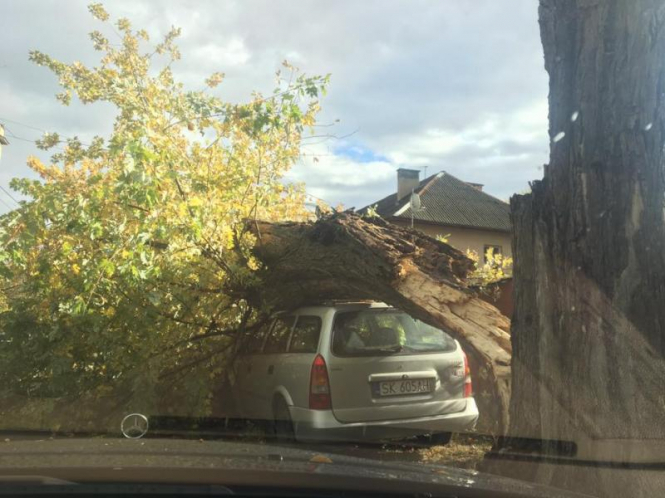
465 451
464 454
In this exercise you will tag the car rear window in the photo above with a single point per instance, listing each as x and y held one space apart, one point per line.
279 335
378 332
306 333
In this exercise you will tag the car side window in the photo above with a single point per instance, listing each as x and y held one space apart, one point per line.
279 335
255 341
305 338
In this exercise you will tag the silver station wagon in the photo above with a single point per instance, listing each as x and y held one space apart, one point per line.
354 372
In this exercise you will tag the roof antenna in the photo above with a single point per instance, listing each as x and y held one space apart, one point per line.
415 205
425 168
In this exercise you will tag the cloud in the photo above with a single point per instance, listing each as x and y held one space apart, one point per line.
233 53
458 86
340 178
525 126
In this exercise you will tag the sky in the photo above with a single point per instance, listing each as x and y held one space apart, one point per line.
454 85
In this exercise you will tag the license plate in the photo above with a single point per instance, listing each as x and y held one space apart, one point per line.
404 387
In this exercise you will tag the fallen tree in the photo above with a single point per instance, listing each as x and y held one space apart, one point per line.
129 273
344 256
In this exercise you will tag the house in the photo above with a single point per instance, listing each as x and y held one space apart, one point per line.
470 218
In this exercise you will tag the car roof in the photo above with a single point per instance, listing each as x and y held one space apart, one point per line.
341 305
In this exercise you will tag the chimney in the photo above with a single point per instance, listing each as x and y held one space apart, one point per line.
407 180
477 186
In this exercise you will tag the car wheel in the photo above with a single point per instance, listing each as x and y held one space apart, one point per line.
438 439
283 425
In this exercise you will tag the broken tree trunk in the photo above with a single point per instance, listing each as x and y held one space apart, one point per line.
589 245
344 256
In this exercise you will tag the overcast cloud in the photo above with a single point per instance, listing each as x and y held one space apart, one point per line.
444 84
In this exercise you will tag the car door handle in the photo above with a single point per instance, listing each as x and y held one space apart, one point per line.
271 369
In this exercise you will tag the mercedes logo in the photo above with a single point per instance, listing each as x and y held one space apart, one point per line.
134 426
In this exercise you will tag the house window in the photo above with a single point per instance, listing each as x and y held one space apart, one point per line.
493 250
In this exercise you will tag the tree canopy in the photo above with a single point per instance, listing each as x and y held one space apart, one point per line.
121 272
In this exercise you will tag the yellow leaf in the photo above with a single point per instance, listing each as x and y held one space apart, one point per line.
320 459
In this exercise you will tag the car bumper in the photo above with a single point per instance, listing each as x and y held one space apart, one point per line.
321 425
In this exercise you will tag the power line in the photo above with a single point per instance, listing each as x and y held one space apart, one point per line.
8 194
303 154
22 124
6 204
36 129
13 135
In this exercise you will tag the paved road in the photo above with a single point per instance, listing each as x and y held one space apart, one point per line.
384 452
35 450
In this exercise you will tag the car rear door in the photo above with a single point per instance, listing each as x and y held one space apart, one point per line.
385 365
246 390
268 366
295 366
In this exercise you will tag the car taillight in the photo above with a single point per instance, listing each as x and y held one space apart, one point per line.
319 386
468 387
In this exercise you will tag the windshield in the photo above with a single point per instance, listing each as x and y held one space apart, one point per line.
376 332
409 247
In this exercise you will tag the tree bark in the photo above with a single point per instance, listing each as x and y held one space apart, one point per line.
588 330
347 257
